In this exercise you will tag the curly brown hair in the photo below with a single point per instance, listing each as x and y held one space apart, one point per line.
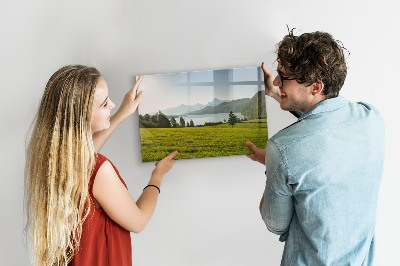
314 57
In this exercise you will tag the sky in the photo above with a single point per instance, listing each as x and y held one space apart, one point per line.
162 91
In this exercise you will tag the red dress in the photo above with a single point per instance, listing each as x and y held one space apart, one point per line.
103 241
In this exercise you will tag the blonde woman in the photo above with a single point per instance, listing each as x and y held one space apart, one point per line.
78 207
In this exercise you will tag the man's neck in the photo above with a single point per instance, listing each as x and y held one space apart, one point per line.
316 100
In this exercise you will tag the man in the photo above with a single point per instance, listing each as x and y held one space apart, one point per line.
324 171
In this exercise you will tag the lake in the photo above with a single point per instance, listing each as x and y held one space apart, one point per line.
201 119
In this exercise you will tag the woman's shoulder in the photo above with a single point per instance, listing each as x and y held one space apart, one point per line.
106 167
100 158
99 161
102 164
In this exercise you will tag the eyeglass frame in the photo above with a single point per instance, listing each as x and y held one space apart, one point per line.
282 78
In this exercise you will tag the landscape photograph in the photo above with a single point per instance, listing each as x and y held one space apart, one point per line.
202 113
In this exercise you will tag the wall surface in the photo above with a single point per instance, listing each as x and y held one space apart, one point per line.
208 209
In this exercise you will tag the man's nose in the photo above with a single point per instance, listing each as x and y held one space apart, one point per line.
277 81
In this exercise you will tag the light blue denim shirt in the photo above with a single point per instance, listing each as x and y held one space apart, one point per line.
323 176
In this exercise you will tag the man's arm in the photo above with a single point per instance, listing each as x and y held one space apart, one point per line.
270 89
128 107
276 205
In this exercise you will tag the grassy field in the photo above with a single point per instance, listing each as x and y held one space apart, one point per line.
195 142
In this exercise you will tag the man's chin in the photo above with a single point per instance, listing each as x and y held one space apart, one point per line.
285 108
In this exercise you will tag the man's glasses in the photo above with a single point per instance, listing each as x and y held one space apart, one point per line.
282 78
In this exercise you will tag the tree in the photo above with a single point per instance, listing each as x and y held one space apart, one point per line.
187 124
173 122
154 118
158 120
162 120
232 119
181 122
191 123
145 123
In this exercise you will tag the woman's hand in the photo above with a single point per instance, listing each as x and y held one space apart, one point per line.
270 89
131 101
163 166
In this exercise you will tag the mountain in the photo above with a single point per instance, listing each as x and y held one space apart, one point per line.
182 109
185 109
216 102
255 108
250 108
225 107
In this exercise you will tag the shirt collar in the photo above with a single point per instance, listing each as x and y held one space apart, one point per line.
325 106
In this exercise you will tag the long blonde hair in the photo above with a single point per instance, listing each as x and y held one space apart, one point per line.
59 161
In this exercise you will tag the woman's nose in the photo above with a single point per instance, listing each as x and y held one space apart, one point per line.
112 105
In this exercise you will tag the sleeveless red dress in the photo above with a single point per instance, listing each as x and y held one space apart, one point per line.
103 241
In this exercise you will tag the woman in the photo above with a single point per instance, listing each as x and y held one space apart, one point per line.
78 207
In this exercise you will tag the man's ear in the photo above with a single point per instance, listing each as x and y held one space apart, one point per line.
317 88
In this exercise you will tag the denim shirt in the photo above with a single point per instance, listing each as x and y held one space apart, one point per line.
323 176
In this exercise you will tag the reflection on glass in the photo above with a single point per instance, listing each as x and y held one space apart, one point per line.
202 76
244 74
243 91
179 77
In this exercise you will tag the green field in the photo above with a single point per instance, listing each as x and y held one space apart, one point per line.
209 141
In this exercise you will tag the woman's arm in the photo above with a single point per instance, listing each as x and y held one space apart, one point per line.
116 201
128 107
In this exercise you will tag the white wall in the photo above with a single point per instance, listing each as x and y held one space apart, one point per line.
208 209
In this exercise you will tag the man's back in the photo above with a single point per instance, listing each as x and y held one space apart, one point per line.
327 168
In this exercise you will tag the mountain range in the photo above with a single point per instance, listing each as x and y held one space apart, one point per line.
235 106
186 109
251 108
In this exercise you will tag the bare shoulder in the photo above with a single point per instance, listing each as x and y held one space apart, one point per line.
106 169
106 180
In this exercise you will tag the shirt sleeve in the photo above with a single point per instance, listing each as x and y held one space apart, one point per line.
277 209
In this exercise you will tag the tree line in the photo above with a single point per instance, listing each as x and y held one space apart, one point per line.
160 120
